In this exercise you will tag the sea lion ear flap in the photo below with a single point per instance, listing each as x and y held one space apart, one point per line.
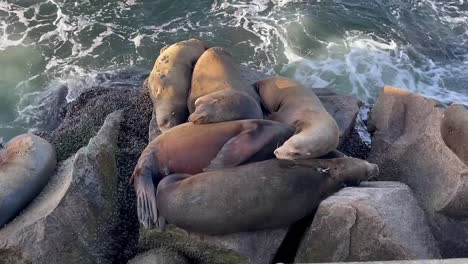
243 146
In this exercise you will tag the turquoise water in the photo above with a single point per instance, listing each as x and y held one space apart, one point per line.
351 45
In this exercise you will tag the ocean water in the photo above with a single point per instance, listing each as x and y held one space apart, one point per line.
354 46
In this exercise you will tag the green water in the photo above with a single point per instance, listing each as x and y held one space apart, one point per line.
352 46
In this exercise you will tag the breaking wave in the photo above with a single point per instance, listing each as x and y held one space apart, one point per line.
354 46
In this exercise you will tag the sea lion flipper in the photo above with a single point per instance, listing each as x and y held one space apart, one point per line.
243 146
146 197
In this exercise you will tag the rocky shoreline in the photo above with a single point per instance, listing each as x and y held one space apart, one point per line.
87 213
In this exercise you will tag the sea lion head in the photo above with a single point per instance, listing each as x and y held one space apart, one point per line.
206 109
225 105
298 147
170 114
312 139
214 107
353 170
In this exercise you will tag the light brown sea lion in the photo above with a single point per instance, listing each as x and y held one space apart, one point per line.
26 164
291 103
225 105
454 130
214 71
170 81
191 148
267 194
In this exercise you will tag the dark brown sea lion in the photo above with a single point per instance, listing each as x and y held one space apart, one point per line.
225 105
170 81
291 103
267 194
191 148
214 71
454 130
26 164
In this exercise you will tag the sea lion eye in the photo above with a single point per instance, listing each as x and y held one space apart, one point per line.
173 113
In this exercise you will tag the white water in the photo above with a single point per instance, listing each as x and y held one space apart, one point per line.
354 46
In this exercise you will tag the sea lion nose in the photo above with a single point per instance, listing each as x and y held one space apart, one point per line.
165 123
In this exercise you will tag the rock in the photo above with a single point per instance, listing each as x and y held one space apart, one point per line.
376 221
432 261
257 247
408 147
26 164
75 218
454 130
344 109
247 247
159 256
354 146
84 117
87 113
181 243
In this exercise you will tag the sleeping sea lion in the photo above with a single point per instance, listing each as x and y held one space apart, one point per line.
454 130
225 105
26 164
214 71
267 194
170 81
190 148
291 103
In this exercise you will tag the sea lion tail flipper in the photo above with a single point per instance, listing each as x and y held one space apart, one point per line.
243 146
146 197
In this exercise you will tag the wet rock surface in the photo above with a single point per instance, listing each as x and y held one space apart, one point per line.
375 221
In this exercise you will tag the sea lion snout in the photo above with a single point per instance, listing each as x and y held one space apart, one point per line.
169 116
281 153
295 148
165 124
198 118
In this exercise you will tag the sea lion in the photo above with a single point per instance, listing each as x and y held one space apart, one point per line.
225 105
454 130
170 80
214 71
291 103
190 148
263 195
26 164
